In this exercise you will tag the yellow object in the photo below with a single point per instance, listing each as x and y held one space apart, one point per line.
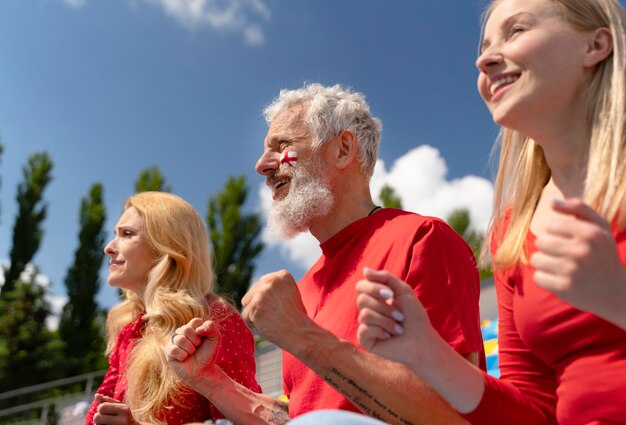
491 347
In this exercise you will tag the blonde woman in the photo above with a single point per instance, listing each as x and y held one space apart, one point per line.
553 75
160 258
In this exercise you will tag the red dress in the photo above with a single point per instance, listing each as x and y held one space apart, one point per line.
558 364
236 358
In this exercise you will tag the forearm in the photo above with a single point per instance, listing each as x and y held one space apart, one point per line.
239 404
454 377
378 387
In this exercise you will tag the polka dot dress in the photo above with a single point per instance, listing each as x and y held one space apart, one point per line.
235 358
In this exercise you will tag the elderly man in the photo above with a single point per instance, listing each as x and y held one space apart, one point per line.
319 156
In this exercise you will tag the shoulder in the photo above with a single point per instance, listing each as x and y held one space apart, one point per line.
392 217
422 226
226 317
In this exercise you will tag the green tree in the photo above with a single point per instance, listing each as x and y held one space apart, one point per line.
27 231
80 325
459 220
29 352
234 238
1 151
389 198
151 179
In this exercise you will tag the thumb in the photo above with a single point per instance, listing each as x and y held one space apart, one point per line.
576 208
101 398
209 333
208 330
397 286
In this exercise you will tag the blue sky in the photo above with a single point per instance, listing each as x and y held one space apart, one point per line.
108 88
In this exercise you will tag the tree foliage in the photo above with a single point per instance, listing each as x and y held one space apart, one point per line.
389 198
234 239
29 352
151 179
80 326
459 220
1 151
27 230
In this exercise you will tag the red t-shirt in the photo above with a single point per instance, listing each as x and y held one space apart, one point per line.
424 252
236 358
557 364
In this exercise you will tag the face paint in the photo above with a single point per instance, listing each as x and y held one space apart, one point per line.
289 159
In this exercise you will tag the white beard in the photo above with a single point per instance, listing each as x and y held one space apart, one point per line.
309 198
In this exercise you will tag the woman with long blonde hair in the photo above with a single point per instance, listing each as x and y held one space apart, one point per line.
160 258
553 75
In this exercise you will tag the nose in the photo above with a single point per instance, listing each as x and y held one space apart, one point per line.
488 58
267 163
110 248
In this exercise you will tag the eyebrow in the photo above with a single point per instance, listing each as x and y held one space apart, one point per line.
124 227
507 22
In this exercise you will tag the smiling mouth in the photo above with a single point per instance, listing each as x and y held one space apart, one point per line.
277 184
503 82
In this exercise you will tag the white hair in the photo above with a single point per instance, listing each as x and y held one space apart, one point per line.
330 111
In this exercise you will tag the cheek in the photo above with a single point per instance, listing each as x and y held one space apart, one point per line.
481 84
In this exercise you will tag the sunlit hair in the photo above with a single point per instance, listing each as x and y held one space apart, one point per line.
330 111
178 288
523 171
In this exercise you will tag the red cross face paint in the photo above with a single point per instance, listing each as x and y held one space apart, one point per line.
288 159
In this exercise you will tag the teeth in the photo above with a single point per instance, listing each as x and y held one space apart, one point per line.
506 80
278 183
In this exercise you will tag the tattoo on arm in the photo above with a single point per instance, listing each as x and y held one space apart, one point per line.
375 408
279 415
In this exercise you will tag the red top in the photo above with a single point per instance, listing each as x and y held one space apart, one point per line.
423 251
558 364
236 358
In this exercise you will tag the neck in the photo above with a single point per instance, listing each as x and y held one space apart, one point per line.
564 139
350 206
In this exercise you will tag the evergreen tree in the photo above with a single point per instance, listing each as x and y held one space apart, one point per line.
80 327
29 352
459 220
1 151
389 198
234 238
27 231
151 179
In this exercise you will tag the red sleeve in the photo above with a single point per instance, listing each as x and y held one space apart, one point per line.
236 356
445 278
108 384
525 392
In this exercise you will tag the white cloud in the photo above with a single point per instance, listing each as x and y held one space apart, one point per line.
75 3
56 302
231 16
419 178
237 16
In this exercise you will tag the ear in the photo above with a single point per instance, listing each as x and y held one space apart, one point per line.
344 149
599 46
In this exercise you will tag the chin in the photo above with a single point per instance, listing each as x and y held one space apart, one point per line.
112 283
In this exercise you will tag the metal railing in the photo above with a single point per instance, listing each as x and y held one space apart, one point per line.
58 401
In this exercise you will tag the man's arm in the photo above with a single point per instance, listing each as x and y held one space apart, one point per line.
380 388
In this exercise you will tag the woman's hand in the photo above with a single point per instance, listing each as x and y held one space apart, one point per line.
112 412
577 260
392 321
192 351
